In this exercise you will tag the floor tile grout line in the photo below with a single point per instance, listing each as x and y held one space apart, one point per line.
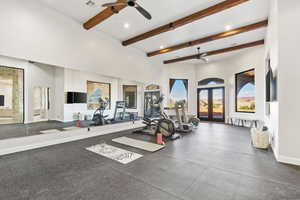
154 186
194 180
241 173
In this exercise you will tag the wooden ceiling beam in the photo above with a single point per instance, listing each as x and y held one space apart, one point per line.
103 15
186 20
216 52
218 36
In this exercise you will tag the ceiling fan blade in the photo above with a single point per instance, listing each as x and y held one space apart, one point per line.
204 59
144 12
113 4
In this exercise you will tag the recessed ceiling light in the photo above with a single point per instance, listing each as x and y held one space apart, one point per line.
90 3
161 47
228 27
126 25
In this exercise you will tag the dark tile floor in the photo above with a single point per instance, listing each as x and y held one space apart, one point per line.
216 162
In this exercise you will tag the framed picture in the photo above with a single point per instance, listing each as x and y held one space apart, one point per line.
95 91
245 91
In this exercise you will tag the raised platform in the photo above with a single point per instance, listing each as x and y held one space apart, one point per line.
9 146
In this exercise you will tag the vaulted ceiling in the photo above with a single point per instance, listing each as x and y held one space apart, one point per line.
166 11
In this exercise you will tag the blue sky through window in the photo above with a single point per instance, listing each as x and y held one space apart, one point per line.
247 91
178 91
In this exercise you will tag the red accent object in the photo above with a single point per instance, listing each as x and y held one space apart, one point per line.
78 124
159 139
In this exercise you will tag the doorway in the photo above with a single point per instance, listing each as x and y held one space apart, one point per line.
211 104
151 97
41 104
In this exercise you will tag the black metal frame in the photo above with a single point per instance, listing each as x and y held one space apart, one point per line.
236 110
135 106
210 104
187 90
23 121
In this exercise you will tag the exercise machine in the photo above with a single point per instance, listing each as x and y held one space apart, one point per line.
120 111
99 118
162 125
183 123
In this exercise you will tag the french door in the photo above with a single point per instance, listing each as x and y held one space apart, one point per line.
211 104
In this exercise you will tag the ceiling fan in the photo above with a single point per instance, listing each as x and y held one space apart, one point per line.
201 56
130 3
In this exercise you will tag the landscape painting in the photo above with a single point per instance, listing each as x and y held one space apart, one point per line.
178 92
245 91
95 91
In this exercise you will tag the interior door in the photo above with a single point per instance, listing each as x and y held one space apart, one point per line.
211 105
41 103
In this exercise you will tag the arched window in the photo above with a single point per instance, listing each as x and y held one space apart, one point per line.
178 92
245 91
152 87
211 81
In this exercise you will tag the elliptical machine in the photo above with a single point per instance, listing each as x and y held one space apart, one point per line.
99 119
162 125
184 124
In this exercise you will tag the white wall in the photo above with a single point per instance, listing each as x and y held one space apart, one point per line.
35 32
282 43
227 68
180 71
140 95
272 52
40 75
76 81
36 75
288 75
59 79
32 31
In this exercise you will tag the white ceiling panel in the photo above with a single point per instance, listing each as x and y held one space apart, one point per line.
166 11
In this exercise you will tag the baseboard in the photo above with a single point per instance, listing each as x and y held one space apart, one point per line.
288 160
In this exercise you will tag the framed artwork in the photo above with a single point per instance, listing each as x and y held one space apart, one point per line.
95 91
245 91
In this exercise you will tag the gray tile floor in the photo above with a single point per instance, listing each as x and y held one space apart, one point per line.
216 162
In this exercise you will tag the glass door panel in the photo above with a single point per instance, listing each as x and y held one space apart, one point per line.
203 104
217 104
211 104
